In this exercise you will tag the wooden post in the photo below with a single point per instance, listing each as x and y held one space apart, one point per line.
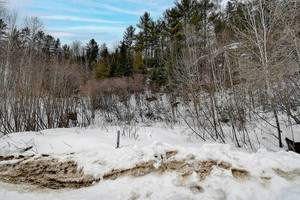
118 140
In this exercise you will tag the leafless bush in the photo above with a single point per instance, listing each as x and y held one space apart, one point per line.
113 97
38 92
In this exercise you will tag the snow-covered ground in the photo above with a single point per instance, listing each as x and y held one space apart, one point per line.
267 175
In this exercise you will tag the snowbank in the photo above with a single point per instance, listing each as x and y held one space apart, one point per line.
177 164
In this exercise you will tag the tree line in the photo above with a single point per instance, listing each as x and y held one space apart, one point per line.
224 71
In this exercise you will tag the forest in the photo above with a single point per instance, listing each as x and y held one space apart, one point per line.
220 71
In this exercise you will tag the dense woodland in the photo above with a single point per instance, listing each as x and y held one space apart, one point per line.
218 70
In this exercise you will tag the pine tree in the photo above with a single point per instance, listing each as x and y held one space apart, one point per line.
144 36
25 37
39 39
92 50
49 45
66 52
115 64
125 66
139 67
104 54
57 47
102 71
129 36
234 16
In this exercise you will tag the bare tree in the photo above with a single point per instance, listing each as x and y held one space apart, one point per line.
76 48
266 53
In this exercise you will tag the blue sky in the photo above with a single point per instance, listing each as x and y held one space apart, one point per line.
82 20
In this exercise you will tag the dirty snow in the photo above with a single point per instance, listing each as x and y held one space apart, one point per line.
270 175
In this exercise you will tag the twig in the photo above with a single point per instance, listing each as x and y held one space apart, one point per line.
67 144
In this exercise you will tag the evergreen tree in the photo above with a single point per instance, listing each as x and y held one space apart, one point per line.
25 37
125 68
139 66
129 37
57 47
115 64
185 9
49 45
173 20
92 50
39 40
102 71
104 55
208 10
158 77
144 36
234 16
66 52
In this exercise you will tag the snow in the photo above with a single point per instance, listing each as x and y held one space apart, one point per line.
94 149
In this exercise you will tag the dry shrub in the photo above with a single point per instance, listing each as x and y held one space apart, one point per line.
112 96
38 92
155 88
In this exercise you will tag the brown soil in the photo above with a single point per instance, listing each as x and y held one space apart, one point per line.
45 172
184 167
240 174
2 158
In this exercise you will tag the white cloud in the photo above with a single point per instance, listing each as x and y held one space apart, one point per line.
119 9
148 3
97 28
67 37
61 34
71 18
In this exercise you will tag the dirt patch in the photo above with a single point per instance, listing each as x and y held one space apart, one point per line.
203 168
224 165
282 174
183 168
5 158
196 189
45 172
138 170
291 175
266 178
169 154
240 174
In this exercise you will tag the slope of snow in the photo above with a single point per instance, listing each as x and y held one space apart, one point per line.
94 150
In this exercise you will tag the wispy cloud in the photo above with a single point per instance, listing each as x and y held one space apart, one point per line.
72 18
69 36
62 34
120 10
82 20
148 3
97 28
